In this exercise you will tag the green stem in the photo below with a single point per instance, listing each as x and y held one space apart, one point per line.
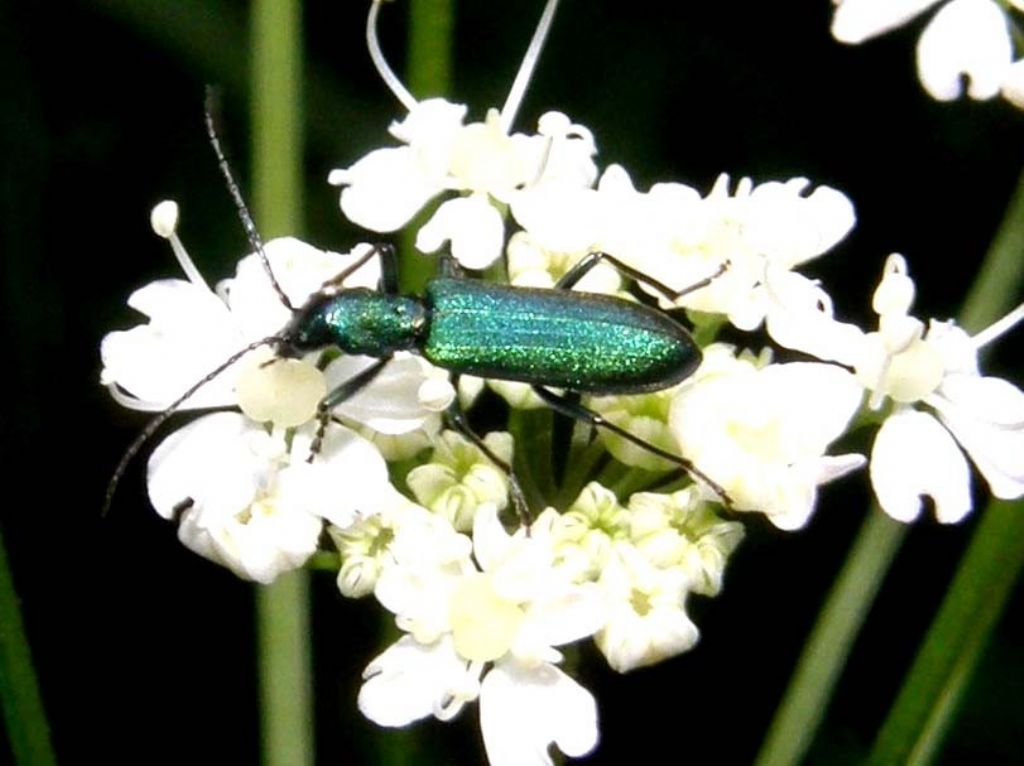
996 287
583 460
805 702
524 430
927 703
636 480
285 672
27 730
803 707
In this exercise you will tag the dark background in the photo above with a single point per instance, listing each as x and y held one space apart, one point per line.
145 651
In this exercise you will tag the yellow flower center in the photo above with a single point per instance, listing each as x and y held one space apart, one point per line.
484 624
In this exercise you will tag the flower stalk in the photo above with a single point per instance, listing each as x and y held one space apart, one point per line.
282 608
24 717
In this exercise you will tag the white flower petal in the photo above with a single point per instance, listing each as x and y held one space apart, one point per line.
300 269
391 404
432 126
562 220
986 415
1013 84
858 20
966 37
491 543
473 226
759 433
913 456
219 469
565 614
348 478
991 400
386 188
523 710
190 333
207 461
790 228
410 681
799 316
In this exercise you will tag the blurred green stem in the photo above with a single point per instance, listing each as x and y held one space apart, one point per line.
916 726
806 700
28 733
283 623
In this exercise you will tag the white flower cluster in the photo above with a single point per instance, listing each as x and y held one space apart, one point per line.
964 38
482 610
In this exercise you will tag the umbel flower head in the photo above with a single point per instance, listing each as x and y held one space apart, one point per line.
421 513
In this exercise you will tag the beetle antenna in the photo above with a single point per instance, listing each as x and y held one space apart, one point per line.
212 108
159 420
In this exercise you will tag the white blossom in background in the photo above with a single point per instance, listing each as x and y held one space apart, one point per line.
762 433
964 38
928 376
482 619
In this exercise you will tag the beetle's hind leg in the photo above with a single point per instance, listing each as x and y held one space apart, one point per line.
577 411
588 262
457 420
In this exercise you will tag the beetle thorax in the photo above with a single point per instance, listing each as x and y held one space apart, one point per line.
358 321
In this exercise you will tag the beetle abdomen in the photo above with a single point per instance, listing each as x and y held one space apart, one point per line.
580 341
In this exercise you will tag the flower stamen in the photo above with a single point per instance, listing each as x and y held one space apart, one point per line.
164 220
385 71
999 328
522 81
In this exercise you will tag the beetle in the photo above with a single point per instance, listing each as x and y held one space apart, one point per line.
584 343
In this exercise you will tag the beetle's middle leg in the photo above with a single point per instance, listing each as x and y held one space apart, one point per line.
577 411
457 419
343 392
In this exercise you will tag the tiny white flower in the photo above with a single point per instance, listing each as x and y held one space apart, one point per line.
483 163
762 433
497 616
246 500
647 620
914 366
458 478
681 530
193 330
531 265
966 38
679 238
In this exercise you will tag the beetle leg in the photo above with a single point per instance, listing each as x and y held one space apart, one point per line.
388 270
343 392
577 411
580 270
457 419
